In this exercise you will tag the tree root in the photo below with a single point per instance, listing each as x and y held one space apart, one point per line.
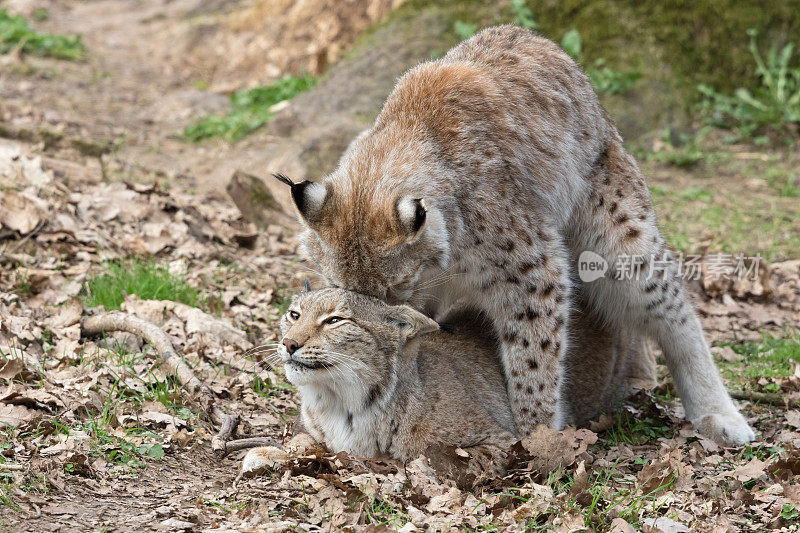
771 398
119 321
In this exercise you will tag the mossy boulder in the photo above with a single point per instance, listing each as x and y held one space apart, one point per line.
674 45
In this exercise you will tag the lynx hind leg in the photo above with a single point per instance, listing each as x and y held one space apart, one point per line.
619 225
604 364
528 301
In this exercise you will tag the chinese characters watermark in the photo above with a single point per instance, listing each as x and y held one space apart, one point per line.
593 266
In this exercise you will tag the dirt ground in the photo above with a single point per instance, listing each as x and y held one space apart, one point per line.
98 437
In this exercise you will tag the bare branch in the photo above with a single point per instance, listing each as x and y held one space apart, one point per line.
227 430
771 398
119 321
252 442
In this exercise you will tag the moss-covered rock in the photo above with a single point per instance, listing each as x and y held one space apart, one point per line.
674 45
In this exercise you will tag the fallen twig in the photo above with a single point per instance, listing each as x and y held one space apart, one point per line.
225 433
119 321
771 398
251 442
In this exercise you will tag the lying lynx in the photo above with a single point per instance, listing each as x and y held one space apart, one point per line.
380 380
483 178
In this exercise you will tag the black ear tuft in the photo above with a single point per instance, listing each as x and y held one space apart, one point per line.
307 285
283 179
420 214
309 198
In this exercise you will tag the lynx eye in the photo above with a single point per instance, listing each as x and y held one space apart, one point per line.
332 320
294 315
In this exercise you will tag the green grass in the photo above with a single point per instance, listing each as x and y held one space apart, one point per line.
785 183
16 32
604 79
268 389
283 298
143 277
523 15
251 110
684 152
761 451
137 388
734 222
772 106
380 512
22 284
772 357
609 494
635 430
609 491
119 452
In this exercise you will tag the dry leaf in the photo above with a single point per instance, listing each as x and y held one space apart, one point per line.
619 525
752 470
11 369
793 418
21 212
662 524
15 415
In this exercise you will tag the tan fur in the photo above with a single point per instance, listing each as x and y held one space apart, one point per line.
403 387
396 385
519 170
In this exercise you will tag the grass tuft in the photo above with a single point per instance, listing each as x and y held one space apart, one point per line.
636 430
604 79
15 32
772 357
144 278
772 106
251 110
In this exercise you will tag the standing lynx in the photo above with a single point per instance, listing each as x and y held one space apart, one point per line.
483 178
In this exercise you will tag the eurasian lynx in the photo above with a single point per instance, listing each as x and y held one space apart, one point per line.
380 380
483 178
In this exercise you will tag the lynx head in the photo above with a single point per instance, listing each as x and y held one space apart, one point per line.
369 237
345 341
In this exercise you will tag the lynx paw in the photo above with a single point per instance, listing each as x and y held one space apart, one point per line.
264 457
730 429
300 443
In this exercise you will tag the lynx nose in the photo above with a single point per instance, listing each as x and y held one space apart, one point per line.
291 345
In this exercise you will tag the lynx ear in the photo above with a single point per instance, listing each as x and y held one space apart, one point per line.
411 213
411 322
308 196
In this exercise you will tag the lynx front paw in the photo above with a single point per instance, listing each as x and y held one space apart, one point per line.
730 429
265 457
